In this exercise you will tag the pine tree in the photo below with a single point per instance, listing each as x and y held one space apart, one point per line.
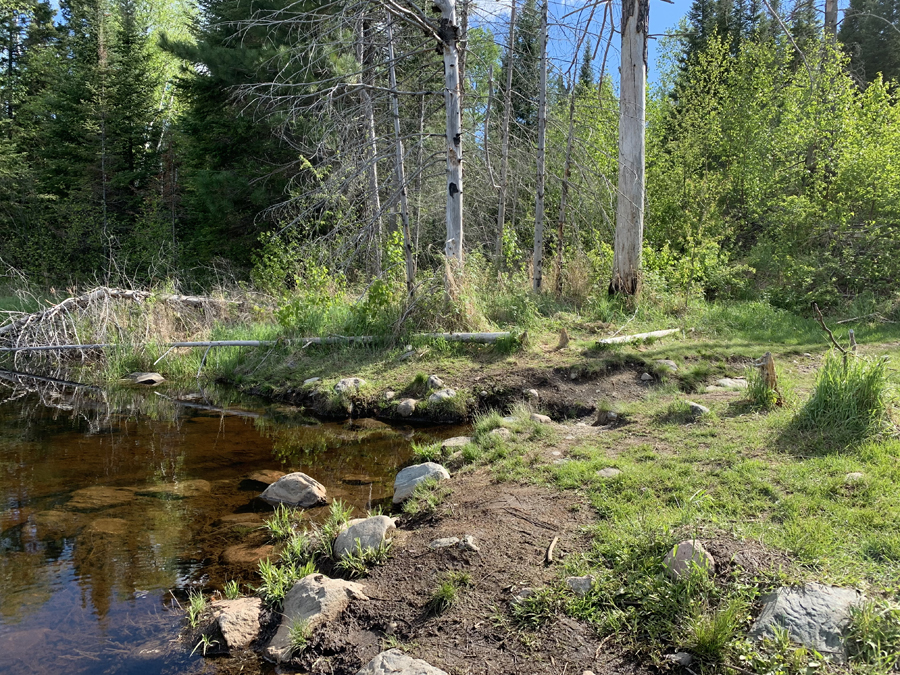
526 61
870 33
586 71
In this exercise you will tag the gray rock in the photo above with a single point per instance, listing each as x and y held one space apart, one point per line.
434 382
521 595
406 481
313 600
532 394
99 497
682 659
349 385
854 477
363 533
406 407
646 377
456 442
685 556
408 354
187 488
441 395
389 395
541 419
502 433
609 472
482 393
238 620
697 410
395 662
732 383
580 586
668 363
468 543
445 542
311 380
815 615
295 489
148 379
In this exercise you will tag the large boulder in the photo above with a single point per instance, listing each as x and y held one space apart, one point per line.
687 555
363 534
238 620
814 615
406 407
295 489
349 385
407 480
441 395
395 662
312 601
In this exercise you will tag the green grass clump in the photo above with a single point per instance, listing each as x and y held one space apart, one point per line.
426 498
281 524
447 592
232 590
873 638
196 606
357 563
850 399
298 549
431 452
759 394
277 580
298 635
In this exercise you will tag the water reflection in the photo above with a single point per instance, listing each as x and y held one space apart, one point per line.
114 500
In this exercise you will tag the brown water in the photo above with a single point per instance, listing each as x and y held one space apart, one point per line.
114 503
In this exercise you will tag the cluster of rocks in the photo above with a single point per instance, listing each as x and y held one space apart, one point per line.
439 393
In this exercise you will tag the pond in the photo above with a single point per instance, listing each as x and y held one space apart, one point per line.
116 503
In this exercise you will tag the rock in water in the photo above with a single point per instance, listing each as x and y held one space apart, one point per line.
295 489
313 601
182 490
407 480
148 379
815 615
238 620
363 534
686 555
395 662
406 407
349 385
99 497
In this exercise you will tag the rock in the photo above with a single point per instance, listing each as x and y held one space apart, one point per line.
188 488
580 586
483 393
522 595
456 442
441 395
406 407
434 382
148 379
445 542
407 480
241 520
266 476
532 394
395 662
295 489
246 555
238 620
55 524
853 477
697 410
606 417
311 380
99 497
609 472
732 383
686 555
646 377
682 659
541 419
349 385
668 364
408 354
502 433
389 395
367 424
815 615
111 526
357 479
313 600
363 533
468 543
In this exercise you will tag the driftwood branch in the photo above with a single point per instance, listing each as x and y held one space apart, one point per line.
637 337
821 321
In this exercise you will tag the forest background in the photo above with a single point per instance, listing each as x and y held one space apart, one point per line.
285 144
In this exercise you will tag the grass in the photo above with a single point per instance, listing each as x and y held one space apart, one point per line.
426 498
277 580
447 592
298 635
873 636
281 524
232 590
196 607
357 563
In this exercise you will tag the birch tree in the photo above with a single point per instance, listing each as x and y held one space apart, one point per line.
541 173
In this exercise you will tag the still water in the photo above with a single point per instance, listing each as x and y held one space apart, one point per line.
115 503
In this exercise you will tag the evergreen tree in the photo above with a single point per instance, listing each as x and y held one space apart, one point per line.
586 71
870 33
526 61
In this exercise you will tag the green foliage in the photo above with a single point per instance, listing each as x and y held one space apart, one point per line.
232 590
357 563
298 636
277 580
873 637
850 399
281 524
759 393
196 607
536 608
447 592
426 498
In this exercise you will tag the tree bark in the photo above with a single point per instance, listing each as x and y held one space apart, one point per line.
401 174
831 14
449 34
504 153
371 151
629 237
541 138
564 193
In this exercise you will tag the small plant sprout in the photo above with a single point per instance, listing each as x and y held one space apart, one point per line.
357 563
195 608
281 525
232 590
448 591
205 643
299 635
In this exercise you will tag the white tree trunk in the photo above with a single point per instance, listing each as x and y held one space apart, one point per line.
831 15
401 173
504 152
371 150
449 34
541 137
630 203
564 192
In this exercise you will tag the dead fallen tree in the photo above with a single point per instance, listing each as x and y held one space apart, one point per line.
638 337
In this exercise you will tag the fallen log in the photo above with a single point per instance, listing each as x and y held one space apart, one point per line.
639 336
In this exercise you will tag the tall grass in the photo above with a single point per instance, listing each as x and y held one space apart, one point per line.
851 397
